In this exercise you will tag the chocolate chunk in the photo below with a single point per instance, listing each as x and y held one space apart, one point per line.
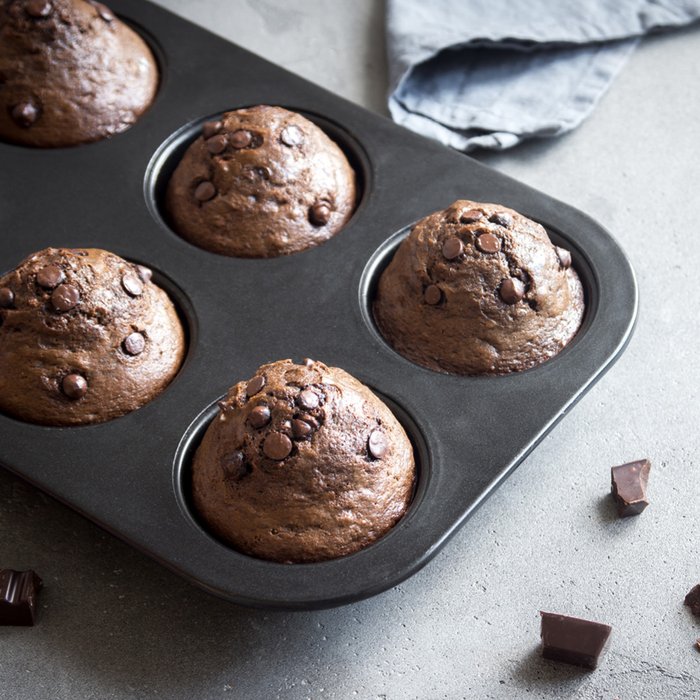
470 216
259 417
19 591
512 290
25 114
501 218
256 172
377 444
209 129
7 297
301 429
629 487
74 386
277 446
573 640
38 8
488 243
132 284
432 294
692 600
65 297
564 257
292 136
50 277
320 214
308 399
217 144
204 191
255 385
145 273
241 138
452 248
134 344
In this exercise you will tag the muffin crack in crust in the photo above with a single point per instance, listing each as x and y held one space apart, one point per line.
303 463
478 289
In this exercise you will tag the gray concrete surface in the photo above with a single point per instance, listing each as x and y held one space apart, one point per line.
115 625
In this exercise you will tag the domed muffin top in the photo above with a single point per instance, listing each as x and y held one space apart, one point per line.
261 182
479 288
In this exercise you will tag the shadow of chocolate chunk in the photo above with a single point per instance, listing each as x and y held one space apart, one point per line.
19 591
629 487
573 640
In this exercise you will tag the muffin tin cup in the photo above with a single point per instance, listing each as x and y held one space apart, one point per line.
130 475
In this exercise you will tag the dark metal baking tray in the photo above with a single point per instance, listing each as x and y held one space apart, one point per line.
131 475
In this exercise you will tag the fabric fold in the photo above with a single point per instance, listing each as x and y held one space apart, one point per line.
490 73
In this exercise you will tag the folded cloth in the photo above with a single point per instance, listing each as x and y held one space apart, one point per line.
490 73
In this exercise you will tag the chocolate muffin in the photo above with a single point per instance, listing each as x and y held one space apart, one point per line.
303 463
85 336
261 182
478 289
70 73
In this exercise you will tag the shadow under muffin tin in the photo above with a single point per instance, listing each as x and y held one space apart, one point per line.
131 475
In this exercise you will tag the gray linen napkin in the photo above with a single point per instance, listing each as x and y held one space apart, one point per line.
490 73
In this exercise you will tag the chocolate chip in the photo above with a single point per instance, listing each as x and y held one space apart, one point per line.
204 191
308 399
50 276
501 218
292 136
452 248
234 465
241 138
132 284
301 429
104 12
145 273
217 144
256 172
259 417
74 386
470 216
7 297
134 344
211 128
255 385
377 444
320 213
564 257
277 446
25 114
65 297
432 294
38 8
488 243
512 290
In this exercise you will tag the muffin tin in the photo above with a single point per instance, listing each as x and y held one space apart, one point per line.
131 475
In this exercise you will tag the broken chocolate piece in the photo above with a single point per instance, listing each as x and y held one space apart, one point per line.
573 640
629 487
692 600
18 597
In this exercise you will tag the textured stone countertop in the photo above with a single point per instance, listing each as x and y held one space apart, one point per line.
116 625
